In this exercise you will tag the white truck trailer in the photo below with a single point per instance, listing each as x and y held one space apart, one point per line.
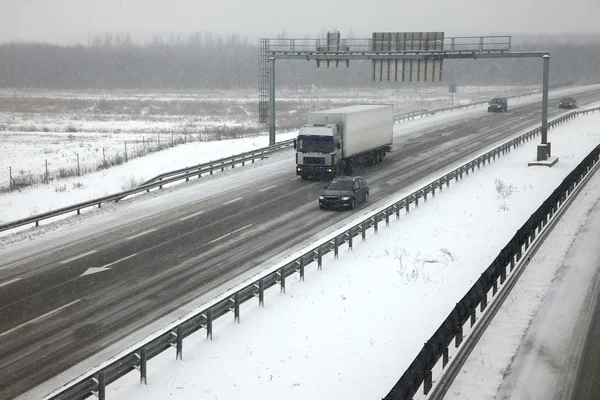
335 141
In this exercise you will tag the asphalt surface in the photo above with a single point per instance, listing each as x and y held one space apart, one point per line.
54 315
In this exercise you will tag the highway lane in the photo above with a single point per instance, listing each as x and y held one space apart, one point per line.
160 261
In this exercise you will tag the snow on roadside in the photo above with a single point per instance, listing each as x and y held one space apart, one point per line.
351 330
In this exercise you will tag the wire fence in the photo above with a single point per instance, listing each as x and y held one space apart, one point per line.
92 158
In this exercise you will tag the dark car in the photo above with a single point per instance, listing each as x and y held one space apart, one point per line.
567 102
344 192
498 104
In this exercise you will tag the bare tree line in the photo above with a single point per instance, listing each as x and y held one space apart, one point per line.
206 61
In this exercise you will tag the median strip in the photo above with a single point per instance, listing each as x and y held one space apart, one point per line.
39 318
230 233
141 234
68 260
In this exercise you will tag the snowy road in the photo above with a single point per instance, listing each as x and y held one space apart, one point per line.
408 167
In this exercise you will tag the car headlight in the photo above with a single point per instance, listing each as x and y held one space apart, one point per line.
345 198
321 197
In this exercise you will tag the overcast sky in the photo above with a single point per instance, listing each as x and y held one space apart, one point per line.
70 21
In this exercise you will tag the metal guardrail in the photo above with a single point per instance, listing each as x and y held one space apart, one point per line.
156 182
95 382
187 172
419 373
242 157
423 113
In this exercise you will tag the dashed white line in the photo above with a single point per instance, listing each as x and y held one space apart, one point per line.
191 216
118 261
267 188
9 282
68 260
39 318
230 233
232 201
141 234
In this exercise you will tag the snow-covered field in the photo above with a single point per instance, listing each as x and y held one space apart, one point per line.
69 133
351 330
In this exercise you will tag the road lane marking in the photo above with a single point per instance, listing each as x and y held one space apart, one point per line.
141 234
39 318
267 188
68 260
9 282
231 233
191 216
106 267
232 201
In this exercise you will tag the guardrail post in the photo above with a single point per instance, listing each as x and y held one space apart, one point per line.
445 358
143 366
335 247
495 287
179 354
458 338
319 258
483 304
456 176
417 200
363 231
350 236
427 382
282 278
261 293
101 383
300 268
502 274
236 308
209 326
519 252
375 227
425 194
433 188
407 206
473 317
387 217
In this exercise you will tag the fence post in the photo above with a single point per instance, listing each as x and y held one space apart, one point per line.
78 168
10 178
126 151
104 157
46 171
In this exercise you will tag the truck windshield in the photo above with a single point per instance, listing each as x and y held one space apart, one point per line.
315 144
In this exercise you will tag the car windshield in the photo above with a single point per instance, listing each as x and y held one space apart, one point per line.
567 99
497 101
340 185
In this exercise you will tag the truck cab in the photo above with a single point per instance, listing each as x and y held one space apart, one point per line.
318 148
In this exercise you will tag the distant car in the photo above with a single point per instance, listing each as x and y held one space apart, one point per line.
498 104
344 192
567 102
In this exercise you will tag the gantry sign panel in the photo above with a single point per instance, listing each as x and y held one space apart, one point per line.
407 43
333 46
